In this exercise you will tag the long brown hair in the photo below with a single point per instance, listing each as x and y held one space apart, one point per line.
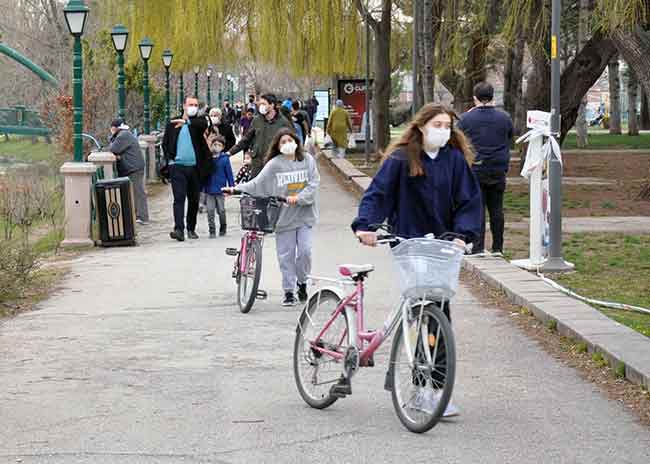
274 149
411 140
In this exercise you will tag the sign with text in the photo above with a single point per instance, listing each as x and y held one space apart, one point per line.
353 94
323 109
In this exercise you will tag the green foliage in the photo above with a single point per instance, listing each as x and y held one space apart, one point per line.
598 358
551 325
620 370
581 347
621 14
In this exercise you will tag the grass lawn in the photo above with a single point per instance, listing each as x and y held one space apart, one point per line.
611 267
604 140
22 149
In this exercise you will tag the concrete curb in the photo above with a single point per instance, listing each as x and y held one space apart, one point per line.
617 343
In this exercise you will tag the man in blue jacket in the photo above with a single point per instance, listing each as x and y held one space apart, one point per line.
490 131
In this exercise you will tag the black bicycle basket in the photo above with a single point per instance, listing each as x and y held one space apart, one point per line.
259 214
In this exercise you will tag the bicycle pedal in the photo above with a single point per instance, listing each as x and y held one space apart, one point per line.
232 251
261 295
341 390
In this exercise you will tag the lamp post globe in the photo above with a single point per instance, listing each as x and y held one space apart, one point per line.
146 47
120 36
167 57
76 13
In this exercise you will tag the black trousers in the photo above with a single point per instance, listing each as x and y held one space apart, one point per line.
185 185
493 187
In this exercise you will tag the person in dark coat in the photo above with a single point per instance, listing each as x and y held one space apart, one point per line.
185 147
130 163
490 132
222 127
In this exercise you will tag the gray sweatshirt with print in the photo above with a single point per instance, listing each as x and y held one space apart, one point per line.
283 177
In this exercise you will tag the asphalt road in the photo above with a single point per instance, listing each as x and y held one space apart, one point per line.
143 357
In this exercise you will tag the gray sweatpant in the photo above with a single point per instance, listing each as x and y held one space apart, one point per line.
294 256
140 197
216 202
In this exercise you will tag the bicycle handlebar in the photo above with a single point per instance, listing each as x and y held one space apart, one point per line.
273 197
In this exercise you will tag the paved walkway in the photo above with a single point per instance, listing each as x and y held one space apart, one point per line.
621 224
143 357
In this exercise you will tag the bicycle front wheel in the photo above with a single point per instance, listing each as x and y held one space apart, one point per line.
249 278
422 367
316 371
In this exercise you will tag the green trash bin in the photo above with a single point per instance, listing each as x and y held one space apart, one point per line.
115 212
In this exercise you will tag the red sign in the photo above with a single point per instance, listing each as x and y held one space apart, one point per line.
353 94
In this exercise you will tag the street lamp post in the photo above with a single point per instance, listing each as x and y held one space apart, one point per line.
167 58
146 46
555 262
120 35
196 81
367 95
220 76
208 74
181 95
76 13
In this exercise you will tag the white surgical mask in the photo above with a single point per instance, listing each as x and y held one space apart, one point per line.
215 120
263 109
435 138
288 148
192 110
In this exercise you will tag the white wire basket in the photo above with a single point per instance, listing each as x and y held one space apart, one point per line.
428 267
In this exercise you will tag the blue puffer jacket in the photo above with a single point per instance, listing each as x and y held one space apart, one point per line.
221 177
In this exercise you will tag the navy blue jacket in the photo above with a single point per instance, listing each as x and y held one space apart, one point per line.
446 199
221 177
490 131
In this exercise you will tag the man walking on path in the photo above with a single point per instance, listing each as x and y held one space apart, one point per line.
261 133
490 131
130 163
190 162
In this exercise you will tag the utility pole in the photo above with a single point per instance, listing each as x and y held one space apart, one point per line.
555 262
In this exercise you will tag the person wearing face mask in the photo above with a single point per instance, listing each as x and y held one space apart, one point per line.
293 174
425 186
187 152
221 177
220 127
490 132
261 133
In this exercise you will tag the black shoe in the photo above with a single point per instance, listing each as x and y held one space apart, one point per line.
289 299
213 235
191 234
302 292
177 235
222 231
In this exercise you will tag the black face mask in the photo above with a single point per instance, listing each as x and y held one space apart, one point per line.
251 100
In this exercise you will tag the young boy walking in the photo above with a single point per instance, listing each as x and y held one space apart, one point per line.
221 177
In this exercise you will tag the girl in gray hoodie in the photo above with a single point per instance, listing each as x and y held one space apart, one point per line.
291 173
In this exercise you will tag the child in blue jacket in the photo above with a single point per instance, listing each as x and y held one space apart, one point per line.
220 178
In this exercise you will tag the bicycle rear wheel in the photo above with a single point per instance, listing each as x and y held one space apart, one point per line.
422 390
249 279
315 372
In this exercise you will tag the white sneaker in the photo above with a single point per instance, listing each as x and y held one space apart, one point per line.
497 254
427 401
141 222
482 254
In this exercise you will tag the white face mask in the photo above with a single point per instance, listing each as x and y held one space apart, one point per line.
434 138
215 120
289 148
192 110
263 109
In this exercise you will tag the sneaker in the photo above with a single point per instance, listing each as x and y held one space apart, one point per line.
177 235
213 235
289 299
302 292
497 254
482 254
426 400
191 234
142 222
222 231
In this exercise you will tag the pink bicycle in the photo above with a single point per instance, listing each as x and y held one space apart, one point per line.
332 341
258 217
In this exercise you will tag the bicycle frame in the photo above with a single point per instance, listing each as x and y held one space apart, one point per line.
249 236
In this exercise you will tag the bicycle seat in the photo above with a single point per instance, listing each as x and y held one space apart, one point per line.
353 270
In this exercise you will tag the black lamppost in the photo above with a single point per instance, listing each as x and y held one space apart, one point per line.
76 13
181 95
120 36
146 46
167 58
208 73
196 81
220 76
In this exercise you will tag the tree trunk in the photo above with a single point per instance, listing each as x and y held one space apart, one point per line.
420 49
645 111
614 97
428 50
381 98
581 121
512 94
632 94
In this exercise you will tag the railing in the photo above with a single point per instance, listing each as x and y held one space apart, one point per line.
22 121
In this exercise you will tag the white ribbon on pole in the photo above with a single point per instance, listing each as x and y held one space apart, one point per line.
534 156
